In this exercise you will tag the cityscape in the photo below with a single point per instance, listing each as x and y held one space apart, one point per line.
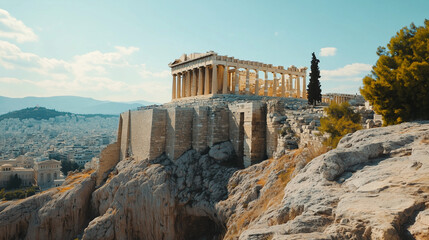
26 144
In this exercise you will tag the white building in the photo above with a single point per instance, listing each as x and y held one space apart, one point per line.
25 174
47 172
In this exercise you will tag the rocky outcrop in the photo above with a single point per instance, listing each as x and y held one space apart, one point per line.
59 213
375 185
163 199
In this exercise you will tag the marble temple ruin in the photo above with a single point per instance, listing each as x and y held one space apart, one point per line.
208 73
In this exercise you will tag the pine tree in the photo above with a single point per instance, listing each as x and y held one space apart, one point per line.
398 87
340 120
314 92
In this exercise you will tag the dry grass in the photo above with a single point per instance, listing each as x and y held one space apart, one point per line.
274 194
425 140
73 179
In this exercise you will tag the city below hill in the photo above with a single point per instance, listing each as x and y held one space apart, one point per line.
73 104
40 113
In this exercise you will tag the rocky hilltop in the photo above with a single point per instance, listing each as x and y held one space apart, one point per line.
375 185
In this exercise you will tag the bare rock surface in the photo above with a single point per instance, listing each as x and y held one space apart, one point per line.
375 185
222 152
59 213
161 199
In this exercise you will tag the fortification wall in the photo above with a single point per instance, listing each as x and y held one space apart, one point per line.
218 126
123 140
158 133
140 133
200 126
173 129
109 157
179 131
258 128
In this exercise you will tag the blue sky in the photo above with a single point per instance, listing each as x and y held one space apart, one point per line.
119 50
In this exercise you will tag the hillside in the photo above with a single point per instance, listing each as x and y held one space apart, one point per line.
73 104
40 113
373 186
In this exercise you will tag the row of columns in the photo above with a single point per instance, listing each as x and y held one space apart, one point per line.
335 98
204 81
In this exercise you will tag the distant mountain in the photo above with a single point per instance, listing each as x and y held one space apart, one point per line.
79 105
40 113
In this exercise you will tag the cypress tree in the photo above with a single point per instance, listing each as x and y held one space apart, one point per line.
314 92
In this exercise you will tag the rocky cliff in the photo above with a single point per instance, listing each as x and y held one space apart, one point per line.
59 213
375 185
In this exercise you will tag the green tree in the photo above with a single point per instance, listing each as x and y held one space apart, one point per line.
314 92
398 87
340 120
14 182
67 166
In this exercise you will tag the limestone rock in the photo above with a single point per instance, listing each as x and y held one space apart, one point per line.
222 152
59 213
162 199
375 185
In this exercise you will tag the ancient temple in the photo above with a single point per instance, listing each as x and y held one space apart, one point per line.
208 73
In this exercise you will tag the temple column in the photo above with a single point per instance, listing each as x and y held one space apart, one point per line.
207 81
184 79
225 80
237 81
283 85
173 96
247 81
200 81
274 84
189 83
194 83
179 86
266 83
233 81
304 88
290 86
298 87
214 79
256 82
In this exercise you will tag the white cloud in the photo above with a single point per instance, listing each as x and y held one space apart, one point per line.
328 51
10 80
13 28
350 71
148 74
92 74
345 79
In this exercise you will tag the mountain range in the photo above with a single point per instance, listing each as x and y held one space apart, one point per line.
74 104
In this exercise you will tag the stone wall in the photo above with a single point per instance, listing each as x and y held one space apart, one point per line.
158 133
174 129
124 131
218 125
200 128
179 131
257 139
140 133
247 131
109 157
